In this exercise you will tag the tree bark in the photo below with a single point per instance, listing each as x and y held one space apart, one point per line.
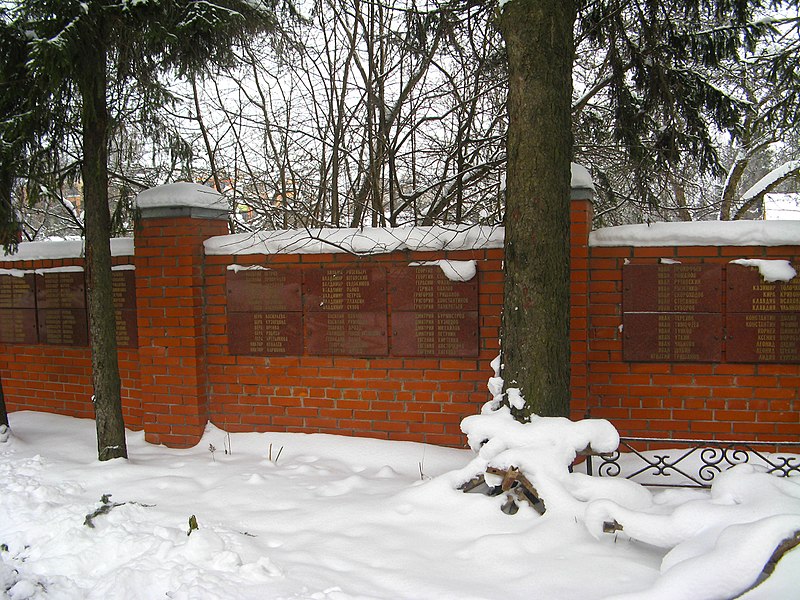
3 410
535 329
102 326
10 227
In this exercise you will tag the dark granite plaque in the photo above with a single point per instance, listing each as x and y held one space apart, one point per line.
348 290
264 290
749 293
17 292
672 288
264 317
672 337
427 288
432 315
763 337
347 333
60 289
265 333
18 326
123 289
63 326
435 333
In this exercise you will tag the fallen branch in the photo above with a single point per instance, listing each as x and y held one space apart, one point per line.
515 484
105 508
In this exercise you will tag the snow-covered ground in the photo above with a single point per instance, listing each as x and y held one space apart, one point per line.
338 518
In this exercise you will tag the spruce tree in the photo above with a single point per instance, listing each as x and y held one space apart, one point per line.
75 50
650 46
658 102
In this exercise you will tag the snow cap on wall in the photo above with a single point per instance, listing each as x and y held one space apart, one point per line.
700 233
377 240
51 249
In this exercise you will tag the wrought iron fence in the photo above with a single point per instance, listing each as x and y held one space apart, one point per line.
691 463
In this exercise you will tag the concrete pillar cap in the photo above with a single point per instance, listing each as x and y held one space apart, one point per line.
182 199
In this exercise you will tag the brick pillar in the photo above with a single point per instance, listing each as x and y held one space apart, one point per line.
175 220
580 227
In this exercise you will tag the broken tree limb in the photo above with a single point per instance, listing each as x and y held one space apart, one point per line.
515 480
611 526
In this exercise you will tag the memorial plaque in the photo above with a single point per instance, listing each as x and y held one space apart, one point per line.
60 289
265 333
749 293
432 315
127 329
672 337
764 337
123 289
348 290
18 292
264 290
18 326
347 333
63 326
427 288
435 333
672 288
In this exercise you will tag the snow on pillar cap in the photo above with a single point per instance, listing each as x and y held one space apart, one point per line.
582 184
182 199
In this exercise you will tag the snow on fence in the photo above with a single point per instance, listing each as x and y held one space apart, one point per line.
691 463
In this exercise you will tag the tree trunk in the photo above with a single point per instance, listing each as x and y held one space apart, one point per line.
535 330
102 327
8 225
731 185
3 410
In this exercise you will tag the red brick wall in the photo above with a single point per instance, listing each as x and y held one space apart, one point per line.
58 379
182 375
417 399
683 400
171 301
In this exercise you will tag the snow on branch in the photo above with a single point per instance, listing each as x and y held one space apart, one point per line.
772 180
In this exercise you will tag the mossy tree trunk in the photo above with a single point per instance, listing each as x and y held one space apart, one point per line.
535 330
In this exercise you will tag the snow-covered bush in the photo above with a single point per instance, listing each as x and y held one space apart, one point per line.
719 543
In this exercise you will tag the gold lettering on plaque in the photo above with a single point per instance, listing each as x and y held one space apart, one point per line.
678 288
268 333
675 337
13 290
766 327
12 326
